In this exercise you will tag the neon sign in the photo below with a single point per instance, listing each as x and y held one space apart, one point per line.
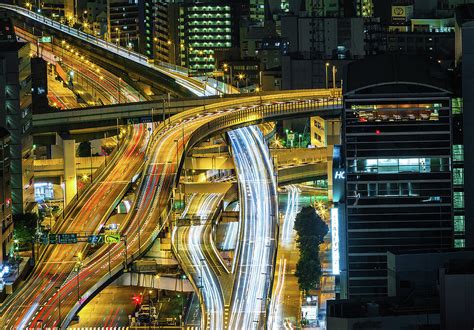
335 240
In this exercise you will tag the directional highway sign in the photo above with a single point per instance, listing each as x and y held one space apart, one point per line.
112 238
67 238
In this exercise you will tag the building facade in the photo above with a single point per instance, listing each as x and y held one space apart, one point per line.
203 28
397 137
153 24
16 114
6 220
123 23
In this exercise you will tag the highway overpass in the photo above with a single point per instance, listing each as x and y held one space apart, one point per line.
121 114
162 76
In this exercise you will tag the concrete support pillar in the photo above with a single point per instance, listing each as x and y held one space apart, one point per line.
70 184
57 149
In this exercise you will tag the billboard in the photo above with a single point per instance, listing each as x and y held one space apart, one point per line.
402 13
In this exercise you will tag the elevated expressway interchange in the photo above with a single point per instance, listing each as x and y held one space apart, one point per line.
152 210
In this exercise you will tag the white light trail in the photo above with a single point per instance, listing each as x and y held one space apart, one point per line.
257 189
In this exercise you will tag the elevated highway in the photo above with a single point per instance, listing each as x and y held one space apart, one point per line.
169 78
310 164
111 115
152 209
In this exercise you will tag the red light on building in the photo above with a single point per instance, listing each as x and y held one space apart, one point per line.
377 131
137 300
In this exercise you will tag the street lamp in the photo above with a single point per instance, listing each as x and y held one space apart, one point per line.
241 76
117 37
118 89
149 305
327 66
78 268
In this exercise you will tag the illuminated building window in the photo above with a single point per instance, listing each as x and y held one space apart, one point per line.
459 225
459 243
458 199
458 152
458 176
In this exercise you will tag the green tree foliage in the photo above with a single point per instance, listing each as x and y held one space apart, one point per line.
24 228
308 272
84 149
311 230
309 223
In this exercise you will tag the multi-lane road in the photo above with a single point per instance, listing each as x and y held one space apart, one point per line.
194 247
100 84
258 232
285 302
51 284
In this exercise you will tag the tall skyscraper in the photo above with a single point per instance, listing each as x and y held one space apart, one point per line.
153 26
15 112
397 138
6 220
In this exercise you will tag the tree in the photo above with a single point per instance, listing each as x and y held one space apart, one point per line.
309 223
24 228
308 272
311 230
84 149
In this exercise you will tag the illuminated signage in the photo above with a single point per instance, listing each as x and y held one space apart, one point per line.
47 39
340 175
309 312
335 240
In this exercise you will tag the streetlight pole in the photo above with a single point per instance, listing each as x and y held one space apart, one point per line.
149 309
334 70
118 89
59 306
126 253
327 65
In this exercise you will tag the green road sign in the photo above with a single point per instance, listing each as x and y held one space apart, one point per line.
53 239
112 238
47 39
67 238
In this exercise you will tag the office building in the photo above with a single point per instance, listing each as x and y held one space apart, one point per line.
338 40
6 220
257 11
203 28
123 23
465 151
427 289
39 85
16 114
155 42
397 138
